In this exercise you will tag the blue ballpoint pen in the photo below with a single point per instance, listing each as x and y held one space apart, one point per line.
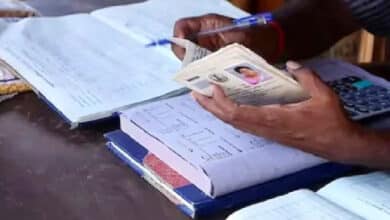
245 22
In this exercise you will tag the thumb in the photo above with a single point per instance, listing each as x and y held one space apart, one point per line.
307 78
184 28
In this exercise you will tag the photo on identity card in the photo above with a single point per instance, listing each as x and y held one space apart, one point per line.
249 73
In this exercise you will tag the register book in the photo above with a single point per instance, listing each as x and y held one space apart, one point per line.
194 202
214 156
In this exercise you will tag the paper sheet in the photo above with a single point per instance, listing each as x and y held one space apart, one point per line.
298 205
155 19
149 24
193 52
366 195
81 74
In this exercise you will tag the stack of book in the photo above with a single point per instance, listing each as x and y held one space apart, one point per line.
204 165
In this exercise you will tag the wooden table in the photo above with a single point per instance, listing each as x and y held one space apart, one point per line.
50 172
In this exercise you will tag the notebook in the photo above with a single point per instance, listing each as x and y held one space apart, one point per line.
353 198
89 66
191 200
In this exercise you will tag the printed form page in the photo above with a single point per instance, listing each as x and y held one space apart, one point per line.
84 67
366 195
155 19
298 205
224 152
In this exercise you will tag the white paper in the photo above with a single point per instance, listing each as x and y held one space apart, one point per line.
366 195
155 19
223 152
193 52
298 205
84 67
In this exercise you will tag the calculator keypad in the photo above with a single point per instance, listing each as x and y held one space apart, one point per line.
361 98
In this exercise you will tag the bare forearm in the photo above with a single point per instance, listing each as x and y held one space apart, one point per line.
312 26
371 148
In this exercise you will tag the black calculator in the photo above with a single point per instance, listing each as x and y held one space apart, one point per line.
361 98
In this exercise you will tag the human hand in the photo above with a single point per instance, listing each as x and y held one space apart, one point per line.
261 39
318 125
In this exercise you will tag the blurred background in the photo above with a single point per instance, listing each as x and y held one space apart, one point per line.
360 47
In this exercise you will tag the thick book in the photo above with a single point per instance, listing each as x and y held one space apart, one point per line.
190 199
89 66
203 148
354 198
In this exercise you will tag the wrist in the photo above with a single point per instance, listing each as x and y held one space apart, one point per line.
367 147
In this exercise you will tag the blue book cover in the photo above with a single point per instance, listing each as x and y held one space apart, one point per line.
113 118
192 201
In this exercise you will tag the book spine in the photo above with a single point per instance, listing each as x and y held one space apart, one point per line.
184 209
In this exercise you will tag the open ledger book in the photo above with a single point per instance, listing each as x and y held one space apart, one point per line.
89 66
350 198
212 155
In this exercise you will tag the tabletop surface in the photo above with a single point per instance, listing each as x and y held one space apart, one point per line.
50 172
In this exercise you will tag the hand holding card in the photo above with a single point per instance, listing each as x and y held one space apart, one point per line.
243 75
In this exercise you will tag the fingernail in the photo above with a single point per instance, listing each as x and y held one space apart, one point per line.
292 65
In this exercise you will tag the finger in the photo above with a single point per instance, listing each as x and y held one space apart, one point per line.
234 113
185 28
222 100
310 81
211 22
292 66
209 104
262 131
266 116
